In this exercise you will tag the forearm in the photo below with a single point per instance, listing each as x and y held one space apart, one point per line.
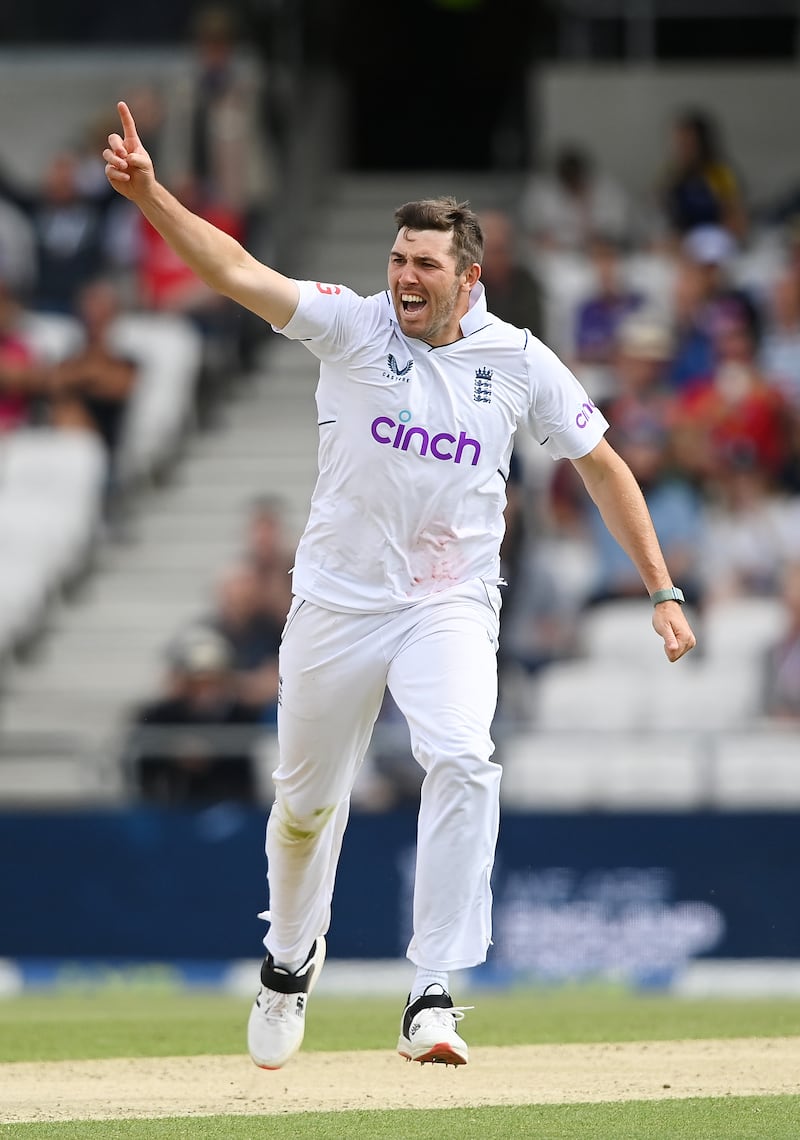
216 257
624 511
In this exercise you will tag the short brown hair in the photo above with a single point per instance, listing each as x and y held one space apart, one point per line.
446 214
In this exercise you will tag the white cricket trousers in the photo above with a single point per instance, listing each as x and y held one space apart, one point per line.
439 661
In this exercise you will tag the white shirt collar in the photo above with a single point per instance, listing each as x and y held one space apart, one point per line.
475 316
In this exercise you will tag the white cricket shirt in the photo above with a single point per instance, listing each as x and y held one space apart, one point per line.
415 444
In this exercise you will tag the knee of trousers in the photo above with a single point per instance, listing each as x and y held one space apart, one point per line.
465 769
298 830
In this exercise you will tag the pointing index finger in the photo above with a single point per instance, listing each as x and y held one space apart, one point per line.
128 124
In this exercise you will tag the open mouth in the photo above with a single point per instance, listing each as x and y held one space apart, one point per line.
412 302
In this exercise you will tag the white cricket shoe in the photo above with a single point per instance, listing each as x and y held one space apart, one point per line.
277 1021
428 1029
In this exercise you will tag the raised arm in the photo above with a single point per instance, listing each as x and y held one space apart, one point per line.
618 497
214 256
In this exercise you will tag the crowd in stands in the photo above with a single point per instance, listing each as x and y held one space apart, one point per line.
681 316
85 281
71 247
221 673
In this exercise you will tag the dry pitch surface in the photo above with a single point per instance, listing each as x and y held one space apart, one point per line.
530 1074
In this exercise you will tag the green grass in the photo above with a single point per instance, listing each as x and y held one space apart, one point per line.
747 1118
123 1023
150 1022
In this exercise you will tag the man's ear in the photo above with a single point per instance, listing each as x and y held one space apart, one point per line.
472 275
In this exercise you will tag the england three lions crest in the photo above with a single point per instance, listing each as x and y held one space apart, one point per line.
482 392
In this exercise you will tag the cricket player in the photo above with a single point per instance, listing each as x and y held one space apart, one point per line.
396 579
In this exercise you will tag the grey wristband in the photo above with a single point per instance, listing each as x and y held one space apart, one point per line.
671 594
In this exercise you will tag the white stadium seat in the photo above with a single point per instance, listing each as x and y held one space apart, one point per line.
758 770
741 628
590 695
688 695
24 594
51 490
52 336
49 534
55 463
168 350
572 770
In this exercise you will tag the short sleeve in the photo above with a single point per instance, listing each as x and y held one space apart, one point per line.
329 319
562 417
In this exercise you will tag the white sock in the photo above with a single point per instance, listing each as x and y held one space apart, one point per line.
296 963
427 978
291 967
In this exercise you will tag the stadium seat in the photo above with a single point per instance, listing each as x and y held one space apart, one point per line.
705 696
53 462
589 695
49 535
601 771
568 279
24 595
652 275
547 771
51 488
168 350
688 695
738 629
52 336
758 770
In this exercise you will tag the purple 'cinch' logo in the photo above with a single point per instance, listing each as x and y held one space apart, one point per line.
443 445
582 417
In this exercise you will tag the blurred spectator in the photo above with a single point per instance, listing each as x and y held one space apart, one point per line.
70 232
17 249
547 575
566 207
704 292
20 377
642 401
268 551
90 390
253 633
90 175
540 615
782 665
699 186
732 418
640 416
514 293
215 128
779 353
180 750
599 315
750 532
215 137
784 210
789 239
